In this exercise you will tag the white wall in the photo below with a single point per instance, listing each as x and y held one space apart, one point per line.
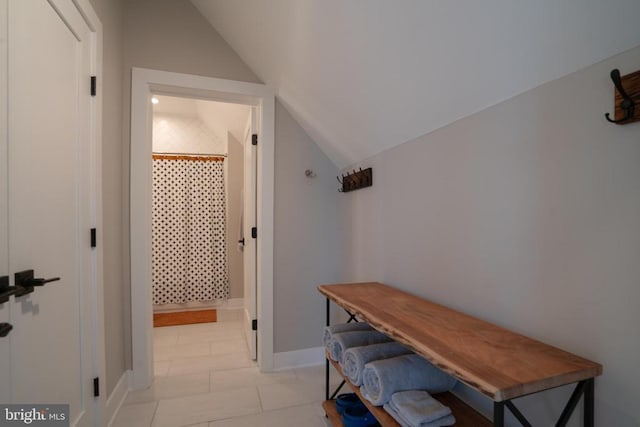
233 116
173 133
525 214
306 235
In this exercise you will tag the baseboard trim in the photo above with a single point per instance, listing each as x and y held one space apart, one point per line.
298 358
117 397
233 303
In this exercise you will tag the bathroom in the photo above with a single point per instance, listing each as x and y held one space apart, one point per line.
198 175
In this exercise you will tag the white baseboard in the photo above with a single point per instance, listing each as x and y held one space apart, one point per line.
117 397
230 304
234 303
298 358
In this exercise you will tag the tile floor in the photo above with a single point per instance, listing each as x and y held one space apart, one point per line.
204 378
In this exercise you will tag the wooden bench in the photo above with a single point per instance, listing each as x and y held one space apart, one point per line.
498 363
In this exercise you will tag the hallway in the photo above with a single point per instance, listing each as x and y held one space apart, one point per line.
204 377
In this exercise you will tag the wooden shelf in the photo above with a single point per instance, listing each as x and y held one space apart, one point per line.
465 415
330 409
497 362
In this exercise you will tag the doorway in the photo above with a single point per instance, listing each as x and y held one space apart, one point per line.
258 99
197 211
198 239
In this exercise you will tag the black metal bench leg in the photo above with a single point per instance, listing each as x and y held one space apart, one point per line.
498 414
326 362
589 403
336 391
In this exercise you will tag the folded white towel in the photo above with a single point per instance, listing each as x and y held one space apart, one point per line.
448 420
354 359
382 378
343 327
345 340
417 407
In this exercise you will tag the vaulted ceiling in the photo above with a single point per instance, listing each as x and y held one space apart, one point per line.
362 76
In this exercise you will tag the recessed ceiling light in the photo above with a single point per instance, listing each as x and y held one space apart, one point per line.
155 100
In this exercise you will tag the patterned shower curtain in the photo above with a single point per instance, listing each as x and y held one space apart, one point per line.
189 248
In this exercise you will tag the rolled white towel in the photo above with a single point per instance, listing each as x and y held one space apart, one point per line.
343 327
354 359
382 378
416 408
346 340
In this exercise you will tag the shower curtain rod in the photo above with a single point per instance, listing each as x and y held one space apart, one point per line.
190 154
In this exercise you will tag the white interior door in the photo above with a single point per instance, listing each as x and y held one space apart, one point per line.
250 247
46 206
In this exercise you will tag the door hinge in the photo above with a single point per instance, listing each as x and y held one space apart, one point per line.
94 238
254 139
94 85
254 325
96 387
254 232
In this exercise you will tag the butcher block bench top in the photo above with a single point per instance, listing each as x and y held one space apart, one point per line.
493 360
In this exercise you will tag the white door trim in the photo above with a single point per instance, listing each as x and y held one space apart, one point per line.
144 82
96 209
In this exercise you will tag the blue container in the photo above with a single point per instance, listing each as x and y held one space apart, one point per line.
358 416
348 400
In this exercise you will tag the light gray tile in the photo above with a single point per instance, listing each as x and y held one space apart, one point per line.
165 340
226 347
161 368
206 407
135 415
211 336
230 315
316 375
235 378
184 351
208 363
166 331
294 393
169 387
297 416
196 328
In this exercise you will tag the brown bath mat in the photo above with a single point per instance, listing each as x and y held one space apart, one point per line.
183 318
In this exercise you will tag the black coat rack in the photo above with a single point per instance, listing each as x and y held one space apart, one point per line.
356 180
626 98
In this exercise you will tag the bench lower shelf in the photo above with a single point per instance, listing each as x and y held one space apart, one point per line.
465 415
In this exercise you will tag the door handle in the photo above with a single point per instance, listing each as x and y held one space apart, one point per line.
241 241
5 328
5 290
26 281
6 293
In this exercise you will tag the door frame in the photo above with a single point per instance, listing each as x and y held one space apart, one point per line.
144 83
96 210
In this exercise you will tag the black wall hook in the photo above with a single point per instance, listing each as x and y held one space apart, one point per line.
355 180
627 105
